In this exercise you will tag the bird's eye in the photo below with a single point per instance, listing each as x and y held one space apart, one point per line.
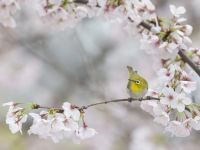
137 82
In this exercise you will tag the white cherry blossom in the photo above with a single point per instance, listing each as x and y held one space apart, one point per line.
71 111
156 110
160 115
148 106
162 119
166 74
56 126
180 102
177 11
15 117
40 127
188 86
179 129
85 132
169 98
7 9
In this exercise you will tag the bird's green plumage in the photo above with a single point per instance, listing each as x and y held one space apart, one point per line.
137 86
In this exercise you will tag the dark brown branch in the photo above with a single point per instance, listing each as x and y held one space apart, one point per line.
181 53
188 61
145 25
80 1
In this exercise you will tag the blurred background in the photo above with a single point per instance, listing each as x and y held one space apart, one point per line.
84 65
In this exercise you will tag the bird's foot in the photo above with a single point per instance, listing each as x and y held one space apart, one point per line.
130 99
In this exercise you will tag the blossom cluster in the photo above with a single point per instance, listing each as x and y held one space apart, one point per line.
67 13
56 124
175 109
7 9
61 13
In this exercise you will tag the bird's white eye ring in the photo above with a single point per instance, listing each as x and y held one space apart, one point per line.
137 82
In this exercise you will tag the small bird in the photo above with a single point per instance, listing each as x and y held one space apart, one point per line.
137 85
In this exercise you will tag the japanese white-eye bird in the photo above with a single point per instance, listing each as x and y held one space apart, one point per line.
137 85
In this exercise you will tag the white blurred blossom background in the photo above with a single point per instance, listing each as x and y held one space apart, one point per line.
84 65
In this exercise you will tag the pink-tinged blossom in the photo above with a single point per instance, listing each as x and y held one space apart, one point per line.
149 43
56 17
156 110
40 127
7 9
180 102
55 126
188 86
15 117
162 119
71 111
169 96
60 15
179 129
149 105
166 74
153 93
144 4
170 47
160 114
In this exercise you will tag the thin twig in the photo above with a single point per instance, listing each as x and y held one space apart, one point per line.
120 100
60 110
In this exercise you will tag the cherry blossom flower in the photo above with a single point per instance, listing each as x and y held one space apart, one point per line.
143 10
166 74
71 111
170 47
40 127
15 117
179 129
177 11
188 86
162 119
148 106
160 115
156 110
169 96
7 9
153 93
85 132
56 126
180 102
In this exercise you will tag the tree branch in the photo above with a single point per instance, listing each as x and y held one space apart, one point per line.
188 61
120 100
59 110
